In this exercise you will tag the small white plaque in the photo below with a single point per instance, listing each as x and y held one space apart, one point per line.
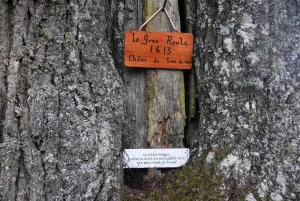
155 158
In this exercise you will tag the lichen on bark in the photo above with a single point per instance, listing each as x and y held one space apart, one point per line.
61 135
245 64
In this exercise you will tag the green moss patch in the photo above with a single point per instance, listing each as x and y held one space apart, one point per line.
197 180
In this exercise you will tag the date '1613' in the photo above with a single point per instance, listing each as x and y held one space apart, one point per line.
158 49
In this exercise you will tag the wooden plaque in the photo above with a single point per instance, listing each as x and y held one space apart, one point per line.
170 50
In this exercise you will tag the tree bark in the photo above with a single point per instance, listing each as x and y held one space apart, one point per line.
246 62
61 102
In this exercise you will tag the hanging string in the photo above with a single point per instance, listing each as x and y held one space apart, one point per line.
171 21
150 18
161 9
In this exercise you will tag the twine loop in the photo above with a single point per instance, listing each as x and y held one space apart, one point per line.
161 9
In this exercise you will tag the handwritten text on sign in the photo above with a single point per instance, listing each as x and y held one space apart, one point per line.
155 158
169 50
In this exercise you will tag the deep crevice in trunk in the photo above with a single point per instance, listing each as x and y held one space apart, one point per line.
137 179
183 15
3 98
191 125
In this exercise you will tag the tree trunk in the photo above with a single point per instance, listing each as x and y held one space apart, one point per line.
247 68
61 102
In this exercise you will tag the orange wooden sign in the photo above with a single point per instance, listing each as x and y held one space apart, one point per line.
168 50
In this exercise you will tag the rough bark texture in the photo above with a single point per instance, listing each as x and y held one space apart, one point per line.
61 102
247 68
